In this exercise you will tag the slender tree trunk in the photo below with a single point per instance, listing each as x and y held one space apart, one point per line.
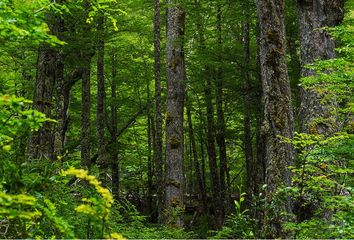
174 113
247 104
260 159
150 170
86 55
114 130
316 44
201 190
278 116
220 133
210 134
213 166
58 144
158 116
102 159
150 136
260 134
203 169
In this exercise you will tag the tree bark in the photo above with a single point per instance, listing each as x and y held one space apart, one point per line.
50 71
278 116
317 44
158 114
174 114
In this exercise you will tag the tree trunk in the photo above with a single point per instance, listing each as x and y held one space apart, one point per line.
201 190
150 136
102 159
213 166
247 104
317 44
114 129
278 116
174 114
220 133
50 71
158 116
58 143
210 133
86 55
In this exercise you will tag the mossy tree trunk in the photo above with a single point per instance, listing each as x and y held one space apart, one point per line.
278 116
174 206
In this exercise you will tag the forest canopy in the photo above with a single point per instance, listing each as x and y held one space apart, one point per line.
176 119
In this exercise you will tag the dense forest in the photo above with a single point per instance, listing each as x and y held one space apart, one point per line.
176 119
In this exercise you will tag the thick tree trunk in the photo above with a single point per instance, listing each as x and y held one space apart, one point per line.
50 71
158 116
102 159
174 113
278 116
317 44
41 141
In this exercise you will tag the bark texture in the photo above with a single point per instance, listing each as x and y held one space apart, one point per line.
317 44
50 71
278 116
174 114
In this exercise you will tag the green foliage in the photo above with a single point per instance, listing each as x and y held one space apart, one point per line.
322 182
238 224
22 20
16 118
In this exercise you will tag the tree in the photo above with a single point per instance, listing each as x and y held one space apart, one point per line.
158 109
86 55
278 116
174 113
220 132
101 96
50 72
316 44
